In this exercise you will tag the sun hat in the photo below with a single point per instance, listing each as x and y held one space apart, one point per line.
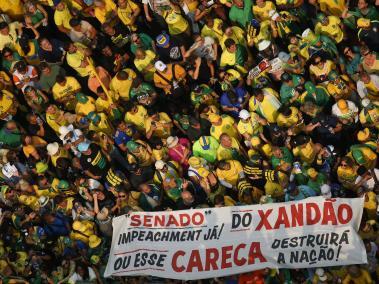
83 146
263 45
172 141
159 165
52 148
64 130
162 39
195 162
41 167
43 200
160 66
94 241
244 114
326 191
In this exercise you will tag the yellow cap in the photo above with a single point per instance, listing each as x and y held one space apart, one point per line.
214 118
94 241
363 23
203 172
195 162
267 150
255 141
363 135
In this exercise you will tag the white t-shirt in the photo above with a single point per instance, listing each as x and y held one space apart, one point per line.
206 49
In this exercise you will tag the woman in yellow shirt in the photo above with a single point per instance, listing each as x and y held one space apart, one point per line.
8 104
320 68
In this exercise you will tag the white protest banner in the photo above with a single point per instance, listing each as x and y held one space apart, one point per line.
215 242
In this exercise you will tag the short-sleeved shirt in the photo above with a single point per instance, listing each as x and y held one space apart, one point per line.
95 163
59 91
10 39
121 137
62 18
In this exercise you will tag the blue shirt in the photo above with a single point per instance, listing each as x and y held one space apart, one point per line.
225 101
121 138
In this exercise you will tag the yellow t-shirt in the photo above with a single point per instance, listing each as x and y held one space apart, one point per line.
332 29
141 64
102 13
138 119
71 85
103 105
334 7
251 127
86 108
328 66
177 24
121 88
54 121
215 32
103 126
226 126
284 121
238 36
307 154
6 102
261 13
13 8
62 18
125 14
10 39
75 61
230 176
160 131
226 153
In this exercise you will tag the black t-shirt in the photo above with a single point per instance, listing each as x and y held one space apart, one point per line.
371 37
53 56
96 162
171 53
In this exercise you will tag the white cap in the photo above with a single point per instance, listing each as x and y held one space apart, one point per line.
160 66
273 15
64 130
320 272
43 200
159 164
365 102
263 45
9 170
52 148
306 33
244 114
326 191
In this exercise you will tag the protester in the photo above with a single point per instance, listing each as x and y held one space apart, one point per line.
109 107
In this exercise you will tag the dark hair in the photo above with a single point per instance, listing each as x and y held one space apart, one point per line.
74 22
43 65
20 66
3 25
24 43
6 50
229 42
60 79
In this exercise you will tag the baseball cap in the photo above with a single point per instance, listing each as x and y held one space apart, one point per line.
131 145
159 164
244 114
263 45
160 66
311 89
162 39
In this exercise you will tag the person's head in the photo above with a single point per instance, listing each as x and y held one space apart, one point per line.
61 80
45 68
7 54
4 28
322 19
122 3
163 40
354 271
209 21
223 165
122 76
135 38
318 61
51 109
21 67
365 77
108 29
225 140
219 200
260 3
99 3
140 53
70 47
145 188
100 93
30 8
106 50
362 4
230 45
346 162
277 152
292 189
286 78
259 95
60 6
75 24
187 197
348 52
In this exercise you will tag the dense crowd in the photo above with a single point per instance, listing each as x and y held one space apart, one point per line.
109 106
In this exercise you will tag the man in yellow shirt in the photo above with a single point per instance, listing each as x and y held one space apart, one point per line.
85 104
105 10
158 124
122 83
99 123
213 29
128 12
8 104
223 124
262 8
62 17
9 34
330 26
13 8
136 115
78 57
250 124
64 91
265 103
55 118
229 172
335 7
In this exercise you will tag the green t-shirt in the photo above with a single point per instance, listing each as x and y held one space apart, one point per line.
286 91
10 138
287 158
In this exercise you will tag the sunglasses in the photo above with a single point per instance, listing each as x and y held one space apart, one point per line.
8 55
122 196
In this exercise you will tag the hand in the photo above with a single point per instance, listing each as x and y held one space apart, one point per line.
94 196
198 61
148 18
